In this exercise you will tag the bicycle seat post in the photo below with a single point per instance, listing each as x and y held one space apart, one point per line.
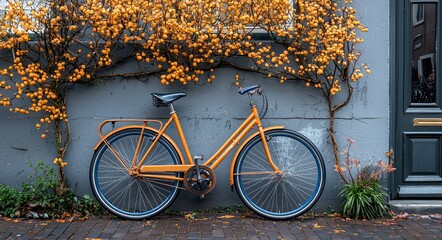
172 110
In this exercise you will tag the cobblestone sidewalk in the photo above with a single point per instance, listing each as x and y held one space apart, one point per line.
217 226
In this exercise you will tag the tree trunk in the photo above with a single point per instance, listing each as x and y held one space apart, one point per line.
331 131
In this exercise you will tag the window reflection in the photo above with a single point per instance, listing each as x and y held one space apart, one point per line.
423 73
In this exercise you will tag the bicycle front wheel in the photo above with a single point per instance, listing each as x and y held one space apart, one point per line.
131 196
285 194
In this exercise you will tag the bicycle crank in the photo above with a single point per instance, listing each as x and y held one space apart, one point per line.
199 180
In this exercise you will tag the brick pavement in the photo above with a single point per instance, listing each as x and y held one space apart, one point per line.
218 226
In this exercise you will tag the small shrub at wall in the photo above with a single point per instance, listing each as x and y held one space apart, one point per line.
364 199
363 195
44 197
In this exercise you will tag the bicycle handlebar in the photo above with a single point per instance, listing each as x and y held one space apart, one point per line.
248 89
257 89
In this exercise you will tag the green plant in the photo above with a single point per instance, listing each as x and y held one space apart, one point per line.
363 194
45 197
8 200
363 200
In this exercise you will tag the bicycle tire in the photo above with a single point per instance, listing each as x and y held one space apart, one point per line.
286 195
129 196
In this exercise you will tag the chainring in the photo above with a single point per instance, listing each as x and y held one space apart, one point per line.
200 188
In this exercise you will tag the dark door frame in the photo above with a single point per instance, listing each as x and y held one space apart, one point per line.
399 41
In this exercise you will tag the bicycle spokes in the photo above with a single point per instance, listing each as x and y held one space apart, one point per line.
286 193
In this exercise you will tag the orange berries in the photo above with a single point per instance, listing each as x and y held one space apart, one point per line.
182 40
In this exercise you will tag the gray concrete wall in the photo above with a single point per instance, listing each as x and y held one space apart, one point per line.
211 112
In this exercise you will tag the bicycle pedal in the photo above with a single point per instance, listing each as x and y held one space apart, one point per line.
198 157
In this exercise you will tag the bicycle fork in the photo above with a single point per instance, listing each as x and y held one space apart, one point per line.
265 140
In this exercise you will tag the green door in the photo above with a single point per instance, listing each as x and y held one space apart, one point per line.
416 122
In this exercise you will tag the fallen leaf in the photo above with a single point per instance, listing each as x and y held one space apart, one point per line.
317 226
227 216
389 223
338 231
190 216
402 215
334 215
147 223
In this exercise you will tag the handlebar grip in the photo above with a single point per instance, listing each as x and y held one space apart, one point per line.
248 89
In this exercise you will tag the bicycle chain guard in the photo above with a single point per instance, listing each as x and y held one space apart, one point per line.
206 183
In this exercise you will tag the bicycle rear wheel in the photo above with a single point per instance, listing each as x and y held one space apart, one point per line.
283 195
129 196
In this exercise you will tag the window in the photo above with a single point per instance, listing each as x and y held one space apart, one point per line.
423 52
418 13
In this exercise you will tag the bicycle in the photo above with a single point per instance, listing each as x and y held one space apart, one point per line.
137 170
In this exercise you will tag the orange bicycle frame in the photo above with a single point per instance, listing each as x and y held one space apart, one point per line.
154 171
